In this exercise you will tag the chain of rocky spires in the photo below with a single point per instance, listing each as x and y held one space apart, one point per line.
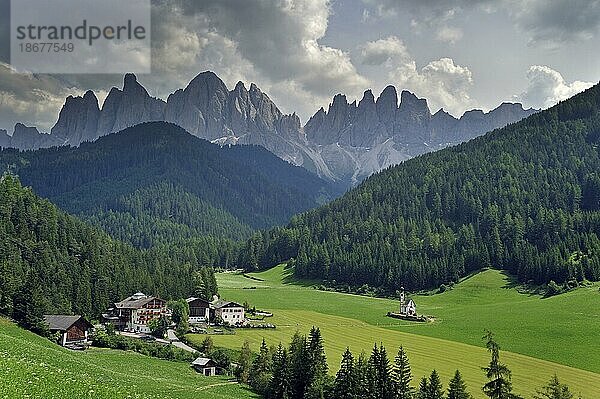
347 142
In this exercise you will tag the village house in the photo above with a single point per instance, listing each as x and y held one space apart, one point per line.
135 312
199 310
408 307
205 366
230 312
72 329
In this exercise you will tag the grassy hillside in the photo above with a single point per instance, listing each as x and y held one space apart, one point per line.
31 366
485 300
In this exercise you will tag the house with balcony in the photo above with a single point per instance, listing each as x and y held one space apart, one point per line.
135 312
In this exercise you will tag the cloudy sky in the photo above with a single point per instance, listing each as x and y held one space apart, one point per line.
459 54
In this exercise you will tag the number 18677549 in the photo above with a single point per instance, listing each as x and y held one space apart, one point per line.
46 47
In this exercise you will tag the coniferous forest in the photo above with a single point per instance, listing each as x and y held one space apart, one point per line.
155 184
525 198
54 263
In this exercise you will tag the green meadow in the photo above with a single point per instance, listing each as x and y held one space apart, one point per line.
34 367
539 337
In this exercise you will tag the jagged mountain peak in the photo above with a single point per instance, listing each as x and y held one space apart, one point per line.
344 141
90 96
239 87
130 81
409 99
367 97
389 95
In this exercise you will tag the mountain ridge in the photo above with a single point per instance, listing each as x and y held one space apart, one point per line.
347 142
189 186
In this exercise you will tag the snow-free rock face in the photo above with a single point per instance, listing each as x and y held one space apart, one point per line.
128 107
28 137
356 141
199 108
347 142
4 139
78 119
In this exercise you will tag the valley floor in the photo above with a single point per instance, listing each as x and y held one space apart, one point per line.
541 336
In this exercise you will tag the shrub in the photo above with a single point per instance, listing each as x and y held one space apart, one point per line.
553 289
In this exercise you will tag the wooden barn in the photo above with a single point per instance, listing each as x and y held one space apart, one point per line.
199 310
72 329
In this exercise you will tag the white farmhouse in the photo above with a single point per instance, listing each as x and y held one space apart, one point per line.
230 312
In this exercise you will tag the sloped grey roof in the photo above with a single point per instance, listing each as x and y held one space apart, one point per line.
134 302
62 322
202 361
223 304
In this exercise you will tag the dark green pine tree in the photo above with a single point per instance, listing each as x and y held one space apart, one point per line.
380 378
423 389
29 306
499 385
280 387
402 376
299 365
372 377
435 389
457 388
317 379
362 376
345 379
554 390
385 375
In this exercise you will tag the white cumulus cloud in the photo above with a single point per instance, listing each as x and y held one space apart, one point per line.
547 87
381 51
442 82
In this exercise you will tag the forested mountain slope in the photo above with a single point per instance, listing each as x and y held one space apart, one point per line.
51 262
155 183
525 198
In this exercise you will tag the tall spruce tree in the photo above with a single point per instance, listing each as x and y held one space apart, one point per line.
457 388
499 384
345 385
372 382
380 379
435 389
554 390
423 389
402 376
317 379
362 376
280 387
30 304
299 365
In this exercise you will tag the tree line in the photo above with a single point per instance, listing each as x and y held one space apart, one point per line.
300 371
525 198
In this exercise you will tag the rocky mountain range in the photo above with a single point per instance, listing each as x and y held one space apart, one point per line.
347 142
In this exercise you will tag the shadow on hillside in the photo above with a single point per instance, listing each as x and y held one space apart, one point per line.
288 277
511 283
